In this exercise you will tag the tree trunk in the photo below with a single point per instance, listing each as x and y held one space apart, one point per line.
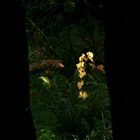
16 121
121 59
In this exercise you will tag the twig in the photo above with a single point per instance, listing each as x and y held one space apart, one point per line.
70 44
49 45
103 124
38 30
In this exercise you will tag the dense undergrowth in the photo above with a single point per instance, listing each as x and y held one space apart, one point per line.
65 105
60 112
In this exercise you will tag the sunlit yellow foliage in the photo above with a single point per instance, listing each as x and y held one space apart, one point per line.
83 95
80 84
82 72
80 64
82 58
90 56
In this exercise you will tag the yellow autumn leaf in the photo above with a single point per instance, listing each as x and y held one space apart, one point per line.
82 57
83 95
80 84
80 64
90 56
82 72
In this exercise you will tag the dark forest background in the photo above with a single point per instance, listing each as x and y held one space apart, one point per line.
58 33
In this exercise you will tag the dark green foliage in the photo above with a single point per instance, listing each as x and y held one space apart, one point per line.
70 116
